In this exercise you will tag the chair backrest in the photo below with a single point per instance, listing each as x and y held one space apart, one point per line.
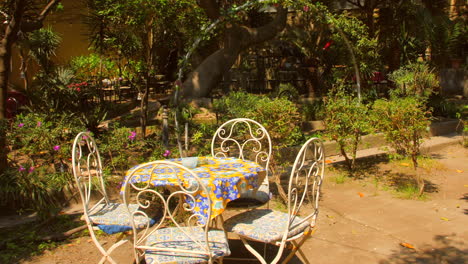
184 204
245 139
87 171
305 182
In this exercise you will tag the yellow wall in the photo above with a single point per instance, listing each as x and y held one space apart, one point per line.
69 25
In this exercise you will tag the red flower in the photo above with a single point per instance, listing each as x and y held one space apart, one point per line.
327 45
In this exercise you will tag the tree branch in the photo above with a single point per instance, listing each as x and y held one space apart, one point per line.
13 25
257 35
355 3
47 9
209 73
28 26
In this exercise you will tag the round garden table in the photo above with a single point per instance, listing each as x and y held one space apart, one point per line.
225 179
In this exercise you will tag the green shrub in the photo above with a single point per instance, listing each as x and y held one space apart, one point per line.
346 121
279 116
314 110
403 122
414 79
91 66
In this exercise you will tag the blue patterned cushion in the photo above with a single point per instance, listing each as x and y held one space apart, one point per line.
264 225
109 217
175 238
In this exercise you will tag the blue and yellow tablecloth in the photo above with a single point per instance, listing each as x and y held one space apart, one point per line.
225 179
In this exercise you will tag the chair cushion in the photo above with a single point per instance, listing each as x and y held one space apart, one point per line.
175 238
114 218
264 225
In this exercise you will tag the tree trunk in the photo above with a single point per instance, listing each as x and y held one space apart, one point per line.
210 72
4 69
149 65
6 44
10 35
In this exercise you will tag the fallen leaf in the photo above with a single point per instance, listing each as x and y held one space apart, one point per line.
328 161
466 185
360 194
407 245
458 206
330 216
459 171
70 245
405 164
444 218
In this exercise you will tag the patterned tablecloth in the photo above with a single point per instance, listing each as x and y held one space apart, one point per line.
225 179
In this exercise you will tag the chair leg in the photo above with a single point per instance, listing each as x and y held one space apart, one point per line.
107 256
252 250
297 246
304 257
105 253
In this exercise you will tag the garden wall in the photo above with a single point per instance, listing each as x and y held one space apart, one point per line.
454 82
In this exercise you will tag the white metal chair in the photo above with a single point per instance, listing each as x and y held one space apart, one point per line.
248 140
280 228
183 234
105 215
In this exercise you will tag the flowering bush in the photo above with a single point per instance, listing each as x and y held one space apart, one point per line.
39 162
77 86
117 147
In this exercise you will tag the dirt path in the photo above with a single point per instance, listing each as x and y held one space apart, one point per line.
361 223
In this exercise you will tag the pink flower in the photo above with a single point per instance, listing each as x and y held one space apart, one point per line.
31 169
21 168
56 147
306 8
21 125
39 123
167 153
132 135
78 89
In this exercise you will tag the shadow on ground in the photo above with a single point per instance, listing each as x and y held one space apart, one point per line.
447 251
238 251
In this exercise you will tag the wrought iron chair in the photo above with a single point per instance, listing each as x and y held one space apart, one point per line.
248 140
104 215
184 233
279 228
